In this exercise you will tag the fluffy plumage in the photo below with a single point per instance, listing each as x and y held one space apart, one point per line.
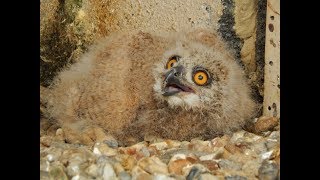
118 86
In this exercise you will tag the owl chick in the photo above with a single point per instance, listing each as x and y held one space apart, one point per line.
176 86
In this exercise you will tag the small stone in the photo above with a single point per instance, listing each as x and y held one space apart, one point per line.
128 162
108 172
227 164
80 177
232 148
124 176
220 142
265 124
92 170
199 145
265 133
76 161
208 176
176 166
207 157
251 137
152 139
159 145
177 157
226 155
103 149
75 154
277 160
184 144
194 171
77 177
101 160
153 165
275 135
244 137
259 147
56 172
44 175
192 158
162 177
247 142
46 140
251 166
216 155
239 135
50 158
138 146
173 143
271 144
266 155
54 154
51 131
268 171
211 165
44 165
236 177
73 169
60 134
117 167
153 150
139 174
167 155
144 152
111 141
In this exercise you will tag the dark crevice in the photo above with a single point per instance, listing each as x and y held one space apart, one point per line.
260 45
226 24
226 31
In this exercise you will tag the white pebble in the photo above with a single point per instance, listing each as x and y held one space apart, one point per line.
96 151
267 155
108 172
50 157
77 177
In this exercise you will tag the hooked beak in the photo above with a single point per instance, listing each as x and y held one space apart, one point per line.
173 84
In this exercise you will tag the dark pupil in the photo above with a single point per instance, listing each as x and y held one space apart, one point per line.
200 77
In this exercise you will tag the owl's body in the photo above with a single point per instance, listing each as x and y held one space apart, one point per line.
125 86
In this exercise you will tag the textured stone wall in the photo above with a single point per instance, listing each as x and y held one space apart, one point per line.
68 27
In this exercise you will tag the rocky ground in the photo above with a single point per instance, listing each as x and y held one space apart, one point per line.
242 155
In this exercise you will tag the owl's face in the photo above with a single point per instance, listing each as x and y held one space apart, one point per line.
191 75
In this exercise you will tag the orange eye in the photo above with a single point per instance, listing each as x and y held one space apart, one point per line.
200 78
171 63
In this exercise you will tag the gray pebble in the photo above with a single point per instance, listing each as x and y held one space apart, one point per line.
268 171
111 143
236 177
194 173
57 172
227 164
124 176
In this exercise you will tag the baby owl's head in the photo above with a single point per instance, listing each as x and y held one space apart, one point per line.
195 74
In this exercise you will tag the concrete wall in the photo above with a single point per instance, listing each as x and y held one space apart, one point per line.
271 104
